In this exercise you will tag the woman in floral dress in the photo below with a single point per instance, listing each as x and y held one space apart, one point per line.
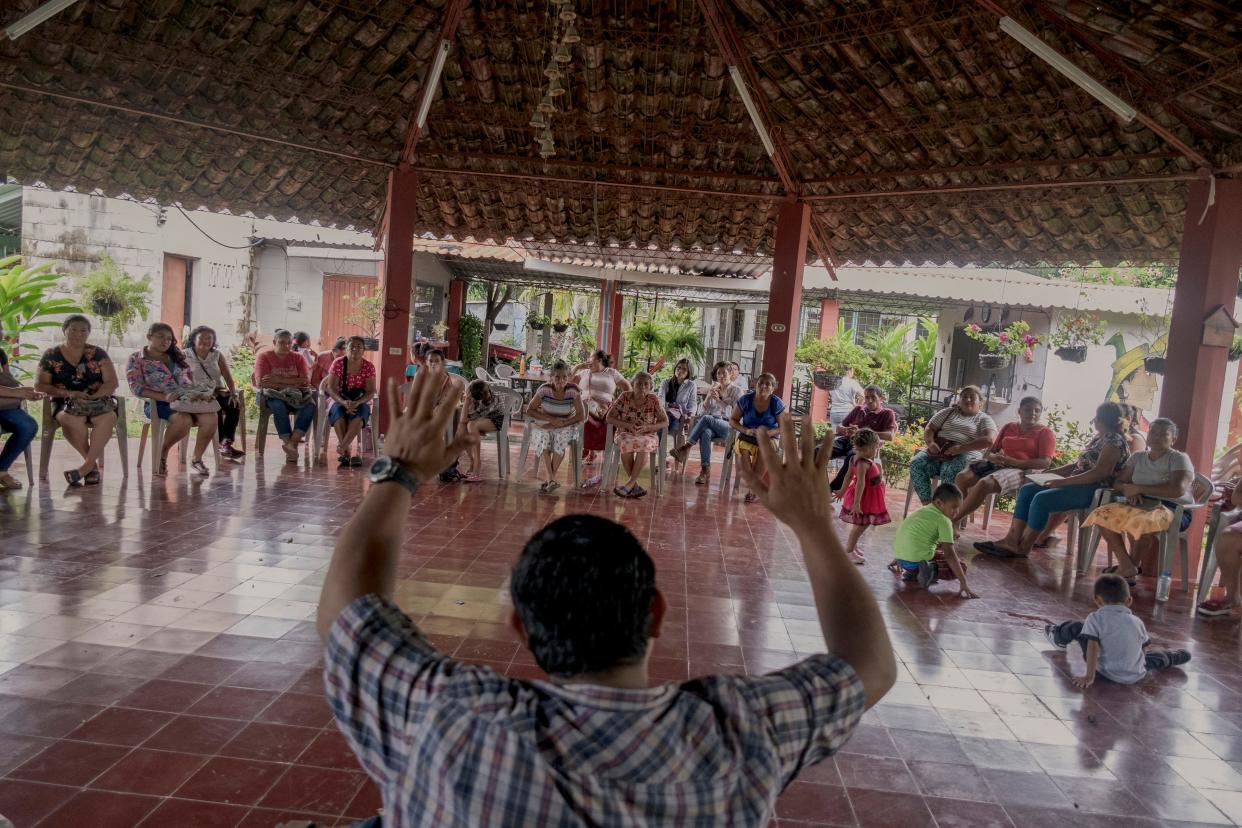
637 418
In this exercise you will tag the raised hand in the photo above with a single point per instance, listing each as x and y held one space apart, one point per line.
416 431
797 487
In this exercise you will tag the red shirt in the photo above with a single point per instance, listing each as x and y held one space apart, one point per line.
1013 442
882 420
291 364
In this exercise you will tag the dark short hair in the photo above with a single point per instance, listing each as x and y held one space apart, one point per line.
864 437
1164 422
1111 589
603 357
279 332
341 342
192 340
356 338
1109 414
301 337
72 318
689 368
583 588
1025 401
478 390
877 390
716 368
947 491
434 352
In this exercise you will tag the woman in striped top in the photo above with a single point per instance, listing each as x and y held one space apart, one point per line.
956 436
553 416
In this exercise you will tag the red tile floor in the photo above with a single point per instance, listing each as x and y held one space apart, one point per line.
158 666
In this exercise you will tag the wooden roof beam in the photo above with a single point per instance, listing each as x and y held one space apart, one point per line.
730 45
448 28
1113 61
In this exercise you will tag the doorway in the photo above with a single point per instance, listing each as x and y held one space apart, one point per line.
178 294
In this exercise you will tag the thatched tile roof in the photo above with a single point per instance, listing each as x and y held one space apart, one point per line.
907 121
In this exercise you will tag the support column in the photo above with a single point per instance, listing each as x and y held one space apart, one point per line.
608 332
545 342
456 309
793 227
398 280
829 321
1207 278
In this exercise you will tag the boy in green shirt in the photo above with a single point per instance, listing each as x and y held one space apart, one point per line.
924 543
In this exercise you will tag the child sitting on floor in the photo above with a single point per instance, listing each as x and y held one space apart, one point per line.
1113 640
863 501
924 543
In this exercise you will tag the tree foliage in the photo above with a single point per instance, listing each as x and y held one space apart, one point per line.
470 341
1162 276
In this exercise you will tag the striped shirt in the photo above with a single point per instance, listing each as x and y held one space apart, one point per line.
954 428
453 744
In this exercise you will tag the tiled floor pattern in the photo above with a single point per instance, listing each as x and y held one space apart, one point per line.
158 666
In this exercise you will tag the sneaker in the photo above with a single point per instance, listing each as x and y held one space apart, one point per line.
703 478
1050 632
928 574
1178 657
680 454
200 468
1214 608
226 449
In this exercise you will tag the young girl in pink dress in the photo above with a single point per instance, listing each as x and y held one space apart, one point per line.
862 502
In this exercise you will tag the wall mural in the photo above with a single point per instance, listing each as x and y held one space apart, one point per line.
1131 382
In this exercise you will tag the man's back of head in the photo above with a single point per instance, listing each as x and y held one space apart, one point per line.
584 589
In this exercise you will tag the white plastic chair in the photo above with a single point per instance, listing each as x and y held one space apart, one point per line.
265 415
48 436
29 452
574 449
504 372
156 429
612 462
1207 570
502 436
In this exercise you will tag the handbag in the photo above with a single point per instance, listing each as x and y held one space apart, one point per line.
292 397
79 407
982 468
196 400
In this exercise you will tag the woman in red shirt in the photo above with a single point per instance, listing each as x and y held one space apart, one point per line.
351 387
1019 448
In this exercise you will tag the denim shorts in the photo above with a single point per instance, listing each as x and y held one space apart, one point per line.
162 409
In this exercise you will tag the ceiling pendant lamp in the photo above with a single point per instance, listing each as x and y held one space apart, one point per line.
552 70
568 14
546 105
562 54
571 34
546 149
555 89
538 121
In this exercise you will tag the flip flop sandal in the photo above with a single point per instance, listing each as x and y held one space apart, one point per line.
552 485
74 478
621 491
355 462
92 478
637 491
9 482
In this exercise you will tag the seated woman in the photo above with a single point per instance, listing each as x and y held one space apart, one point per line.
1150 481
1020 448
600 383
484 414
757 409
323 362
284 378
680 398
350 385
80 379
553 415
209 368
19 425
956 436
1228 548
716 410
637 418
160 373
1131 420
872 414
1096 467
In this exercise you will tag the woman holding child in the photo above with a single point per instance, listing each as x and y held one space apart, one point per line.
956 437
554 413
637 418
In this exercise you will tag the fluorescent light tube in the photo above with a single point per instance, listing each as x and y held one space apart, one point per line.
433 80
44 12
740 85
1059 62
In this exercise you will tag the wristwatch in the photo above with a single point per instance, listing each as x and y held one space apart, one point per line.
386 469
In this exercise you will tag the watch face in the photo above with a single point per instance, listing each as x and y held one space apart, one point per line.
382 467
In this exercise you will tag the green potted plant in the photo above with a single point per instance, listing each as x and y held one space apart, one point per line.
117 298
560 326
1001 346
1152 329
1074 335
537 321
830 358
1235 350
26 303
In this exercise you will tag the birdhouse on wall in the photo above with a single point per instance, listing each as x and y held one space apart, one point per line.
1219 328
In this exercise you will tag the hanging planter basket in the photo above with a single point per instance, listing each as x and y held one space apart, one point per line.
500 326
993 362
560 327
536 326
826 381
370 343
105 306
1154 364
1073 353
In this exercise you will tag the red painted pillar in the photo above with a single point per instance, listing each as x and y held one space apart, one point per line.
793 226
398 279
608 331
456 308
1207 277
829 321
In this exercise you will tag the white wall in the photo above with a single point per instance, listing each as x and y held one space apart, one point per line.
290 288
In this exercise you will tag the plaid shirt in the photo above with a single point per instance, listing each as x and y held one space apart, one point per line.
452 744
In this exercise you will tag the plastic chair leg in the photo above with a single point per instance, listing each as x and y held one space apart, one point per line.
524 451
1207 574
142 442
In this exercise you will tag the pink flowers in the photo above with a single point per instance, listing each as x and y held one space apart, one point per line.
1002 336
1028 354
1028 341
